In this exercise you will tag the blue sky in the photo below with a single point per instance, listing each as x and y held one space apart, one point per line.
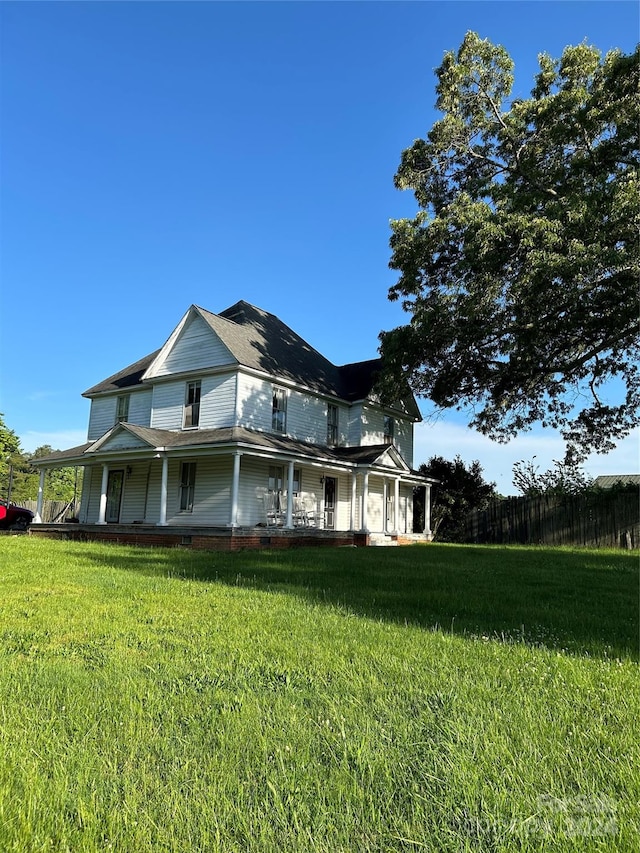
155 155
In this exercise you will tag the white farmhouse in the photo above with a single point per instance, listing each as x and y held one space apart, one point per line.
236 431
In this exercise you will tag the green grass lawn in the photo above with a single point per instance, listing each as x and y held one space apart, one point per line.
441 698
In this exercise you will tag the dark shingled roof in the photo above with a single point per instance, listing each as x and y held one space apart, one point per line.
125 378
174 439
259 340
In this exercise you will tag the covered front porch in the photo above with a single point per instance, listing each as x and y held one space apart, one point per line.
221 488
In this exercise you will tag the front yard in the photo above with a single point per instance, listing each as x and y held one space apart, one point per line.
440 698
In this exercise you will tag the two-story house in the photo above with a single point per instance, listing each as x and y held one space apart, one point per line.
238 424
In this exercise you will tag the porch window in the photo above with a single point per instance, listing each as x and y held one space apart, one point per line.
277 479
187 486
389 429
192 404
279 410
332 425
122 408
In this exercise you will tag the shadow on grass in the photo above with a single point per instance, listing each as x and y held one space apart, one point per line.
582 602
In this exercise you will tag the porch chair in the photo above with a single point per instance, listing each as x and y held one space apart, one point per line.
300 514
272 512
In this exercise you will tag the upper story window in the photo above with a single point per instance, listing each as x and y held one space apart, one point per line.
389 429
122 408
187 486
279 410
192 404
332 424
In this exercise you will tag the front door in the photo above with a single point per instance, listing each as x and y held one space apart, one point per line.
389 525
114 496
329 503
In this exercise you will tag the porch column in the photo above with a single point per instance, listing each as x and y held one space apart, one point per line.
40 501
235 488
396 505
289 518
102 512
365 500
385 500
163 492
354 497
427 509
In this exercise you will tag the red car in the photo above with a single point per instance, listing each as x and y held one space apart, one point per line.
14 517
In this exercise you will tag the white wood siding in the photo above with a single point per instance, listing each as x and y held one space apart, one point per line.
168 405
101 417
354 425
152 496
306 413
254 474
343 495
254 401
134 492
253 486
306 418
375 506
140 407
212 498
212 494
218 401
406 508
373 432
90 503
404 440
196 348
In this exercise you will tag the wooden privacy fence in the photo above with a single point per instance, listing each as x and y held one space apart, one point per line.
606 519
54 511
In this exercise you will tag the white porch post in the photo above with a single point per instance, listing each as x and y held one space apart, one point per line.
354 497
40 502
163 492
396 505
235 488
385 500
365 500
427 510
289 519
102 512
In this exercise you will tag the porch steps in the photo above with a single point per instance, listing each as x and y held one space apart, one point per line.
382 540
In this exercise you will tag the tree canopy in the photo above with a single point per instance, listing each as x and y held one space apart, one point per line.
15 468
520 270
564 478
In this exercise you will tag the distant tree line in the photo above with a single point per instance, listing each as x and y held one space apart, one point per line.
461 490
19 479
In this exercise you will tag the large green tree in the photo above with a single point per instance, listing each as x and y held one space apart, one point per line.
459 490
520 270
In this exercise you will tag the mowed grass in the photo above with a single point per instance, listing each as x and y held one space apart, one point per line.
435 698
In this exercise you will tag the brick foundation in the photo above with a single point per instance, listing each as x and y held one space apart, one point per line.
209 539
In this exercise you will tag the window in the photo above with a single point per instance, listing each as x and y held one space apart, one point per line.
192 404
122 408
187 486
389 429
279 410
275 478
332 424
278 479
